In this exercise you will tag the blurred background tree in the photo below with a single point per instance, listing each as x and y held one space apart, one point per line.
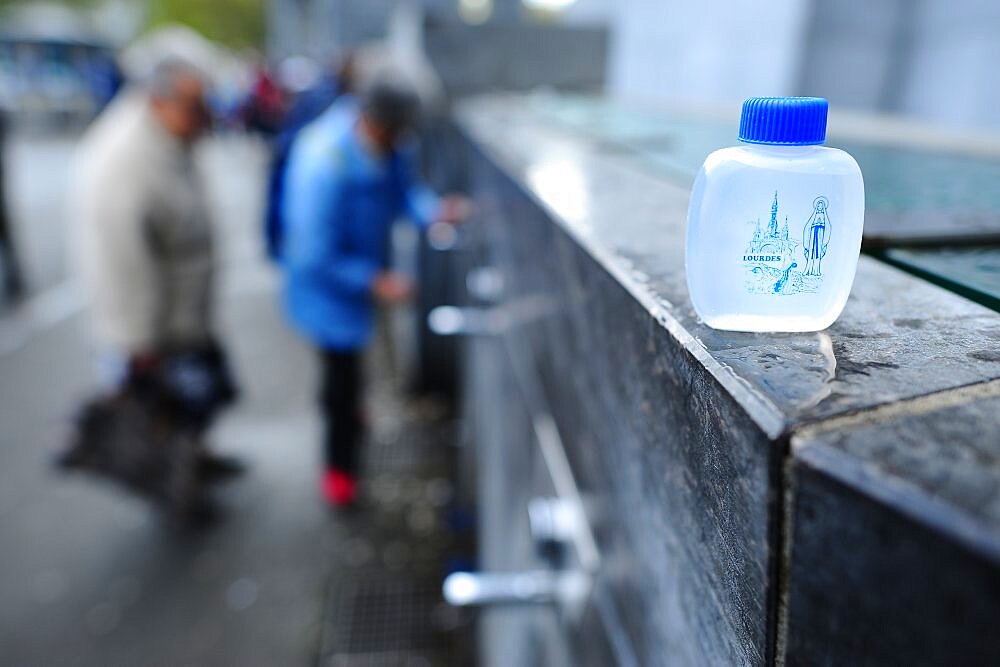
234 23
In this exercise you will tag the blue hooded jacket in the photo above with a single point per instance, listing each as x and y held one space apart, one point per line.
306 108
339 206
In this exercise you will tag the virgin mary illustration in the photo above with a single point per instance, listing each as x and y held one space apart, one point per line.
816 237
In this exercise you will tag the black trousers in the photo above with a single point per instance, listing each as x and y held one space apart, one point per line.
340 402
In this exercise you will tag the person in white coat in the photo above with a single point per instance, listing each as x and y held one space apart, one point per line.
144 245
142 231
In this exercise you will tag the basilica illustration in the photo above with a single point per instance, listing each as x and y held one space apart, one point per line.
776 263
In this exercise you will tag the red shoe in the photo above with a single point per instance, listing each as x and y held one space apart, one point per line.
339 488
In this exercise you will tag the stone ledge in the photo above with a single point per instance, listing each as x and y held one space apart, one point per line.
681 432
899 337
893 543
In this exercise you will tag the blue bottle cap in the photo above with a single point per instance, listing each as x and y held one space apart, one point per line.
786 121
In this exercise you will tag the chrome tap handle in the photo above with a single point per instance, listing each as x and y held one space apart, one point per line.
456 321
469 589
485 283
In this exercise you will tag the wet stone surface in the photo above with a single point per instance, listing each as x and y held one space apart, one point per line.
974 272
633 223
914 195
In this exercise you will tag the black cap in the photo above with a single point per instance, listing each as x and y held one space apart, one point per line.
391 103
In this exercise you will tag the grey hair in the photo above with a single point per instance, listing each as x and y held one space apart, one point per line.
391 102
162 80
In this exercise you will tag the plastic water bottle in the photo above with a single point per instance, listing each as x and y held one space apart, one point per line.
774 224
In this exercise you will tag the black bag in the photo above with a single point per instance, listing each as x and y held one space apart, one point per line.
141 439
148 436
199 378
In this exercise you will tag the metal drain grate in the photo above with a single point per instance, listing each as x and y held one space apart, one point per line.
382 620
401 456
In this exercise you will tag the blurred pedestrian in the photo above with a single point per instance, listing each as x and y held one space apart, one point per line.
264 104
349 178
309 94
11 277
145 245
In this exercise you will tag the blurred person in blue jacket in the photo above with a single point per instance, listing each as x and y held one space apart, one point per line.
349 179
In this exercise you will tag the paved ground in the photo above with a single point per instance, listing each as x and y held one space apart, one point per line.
38 174
89 576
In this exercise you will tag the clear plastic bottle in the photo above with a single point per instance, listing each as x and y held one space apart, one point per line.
774 224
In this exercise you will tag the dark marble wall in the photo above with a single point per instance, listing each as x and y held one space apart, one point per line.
644 424
718 537
510 474
894 540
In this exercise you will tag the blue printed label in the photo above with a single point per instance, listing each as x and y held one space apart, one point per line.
777 263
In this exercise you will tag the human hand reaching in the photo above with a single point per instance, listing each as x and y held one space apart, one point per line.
455 209
392 287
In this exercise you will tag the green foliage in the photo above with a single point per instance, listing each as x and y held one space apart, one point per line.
71 3
235 23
